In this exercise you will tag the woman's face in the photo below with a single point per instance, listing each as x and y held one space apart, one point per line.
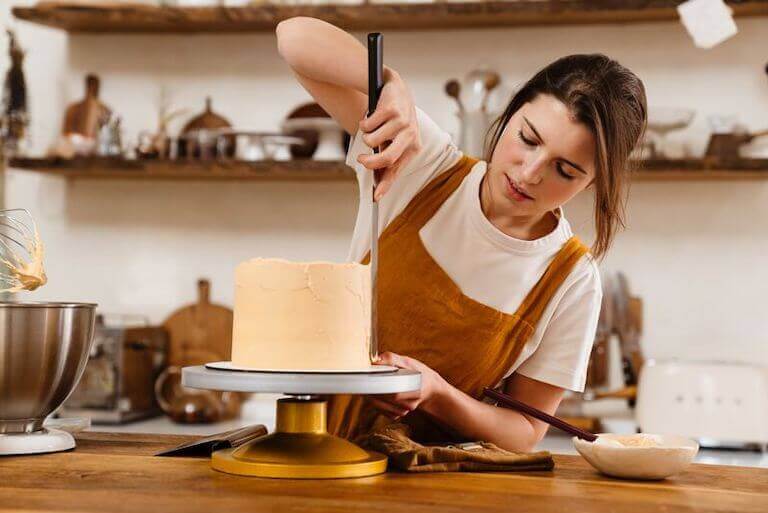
542 160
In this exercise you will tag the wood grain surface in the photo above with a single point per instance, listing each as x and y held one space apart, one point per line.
694 170
124 17
117 472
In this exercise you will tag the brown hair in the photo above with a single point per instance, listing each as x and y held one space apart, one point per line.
608 99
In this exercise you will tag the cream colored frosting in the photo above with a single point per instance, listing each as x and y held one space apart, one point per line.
637 440
26 275
301 315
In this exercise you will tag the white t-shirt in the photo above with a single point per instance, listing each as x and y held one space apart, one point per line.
486 264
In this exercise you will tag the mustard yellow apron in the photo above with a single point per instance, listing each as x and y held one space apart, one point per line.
423 314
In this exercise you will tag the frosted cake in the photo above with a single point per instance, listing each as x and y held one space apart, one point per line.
301 316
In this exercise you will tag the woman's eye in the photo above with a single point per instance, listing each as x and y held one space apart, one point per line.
562 172
523 138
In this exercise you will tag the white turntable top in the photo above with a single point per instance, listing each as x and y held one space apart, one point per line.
399 380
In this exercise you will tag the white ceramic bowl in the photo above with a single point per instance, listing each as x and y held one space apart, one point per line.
671 456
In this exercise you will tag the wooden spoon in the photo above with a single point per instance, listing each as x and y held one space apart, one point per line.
492 80
452 89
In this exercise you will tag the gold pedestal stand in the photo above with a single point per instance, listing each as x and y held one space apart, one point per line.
300 448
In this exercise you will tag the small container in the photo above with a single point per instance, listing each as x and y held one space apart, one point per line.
669 455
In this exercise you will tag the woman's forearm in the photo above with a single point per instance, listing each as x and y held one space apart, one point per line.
474 419
322 52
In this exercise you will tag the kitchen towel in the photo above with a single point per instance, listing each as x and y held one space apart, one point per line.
404 454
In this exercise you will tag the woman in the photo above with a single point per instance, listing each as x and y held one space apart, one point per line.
481 281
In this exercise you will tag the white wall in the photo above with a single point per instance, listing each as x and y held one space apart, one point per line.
693 251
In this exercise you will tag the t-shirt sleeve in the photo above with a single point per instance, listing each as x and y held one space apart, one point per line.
437 154
562 357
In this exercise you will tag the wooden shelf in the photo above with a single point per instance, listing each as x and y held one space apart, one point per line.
139 18
98 168
702 170
317 171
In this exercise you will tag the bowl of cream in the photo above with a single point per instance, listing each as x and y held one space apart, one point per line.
639 456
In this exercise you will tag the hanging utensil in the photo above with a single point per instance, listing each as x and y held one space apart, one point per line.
375 85
453 89
492 80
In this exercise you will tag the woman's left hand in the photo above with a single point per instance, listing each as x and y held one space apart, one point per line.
396 406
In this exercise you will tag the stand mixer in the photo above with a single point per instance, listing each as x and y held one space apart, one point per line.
43 351
43 346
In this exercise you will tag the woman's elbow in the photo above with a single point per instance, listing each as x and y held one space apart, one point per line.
524 442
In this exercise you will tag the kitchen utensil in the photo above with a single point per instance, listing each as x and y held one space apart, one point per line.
21 252
492 80
278 147
201 332
309 135
330 142
671 455
474 88
300 447
725 146
453 89
190 405
662 121
14 118
476 110
201 144
109 142
510 402
85 117
255 145
375 85
118 384
159 144
720 404
198 139
198 333
44 348
209 444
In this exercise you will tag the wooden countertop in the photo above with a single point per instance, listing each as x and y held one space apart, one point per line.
117 472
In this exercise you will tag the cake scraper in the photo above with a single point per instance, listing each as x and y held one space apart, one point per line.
375 84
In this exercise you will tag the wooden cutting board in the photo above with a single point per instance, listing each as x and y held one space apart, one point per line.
200 333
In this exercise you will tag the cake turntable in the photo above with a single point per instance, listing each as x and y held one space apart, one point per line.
301 446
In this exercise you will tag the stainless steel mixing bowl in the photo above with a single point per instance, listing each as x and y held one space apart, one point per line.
43 351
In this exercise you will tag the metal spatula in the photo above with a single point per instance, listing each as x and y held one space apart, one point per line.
375 84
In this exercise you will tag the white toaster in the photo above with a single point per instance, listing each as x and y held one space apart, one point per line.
719 404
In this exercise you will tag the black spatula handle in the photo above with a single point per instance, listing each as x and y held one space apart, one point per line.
375 69
375 81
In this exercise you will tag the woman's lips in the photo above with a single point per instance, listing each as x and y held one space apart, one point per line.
515 193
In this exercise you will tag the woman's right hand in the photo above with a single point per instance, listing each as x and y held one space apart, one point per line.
394 129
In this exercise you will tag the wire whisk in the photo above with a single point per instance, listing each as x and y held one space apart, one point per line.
21 252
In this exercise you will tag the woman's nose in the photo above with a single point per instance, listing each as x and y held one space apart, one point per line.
533 169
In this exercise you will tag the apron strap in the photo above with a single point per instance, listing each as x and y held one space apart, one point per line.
428 201
545 289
